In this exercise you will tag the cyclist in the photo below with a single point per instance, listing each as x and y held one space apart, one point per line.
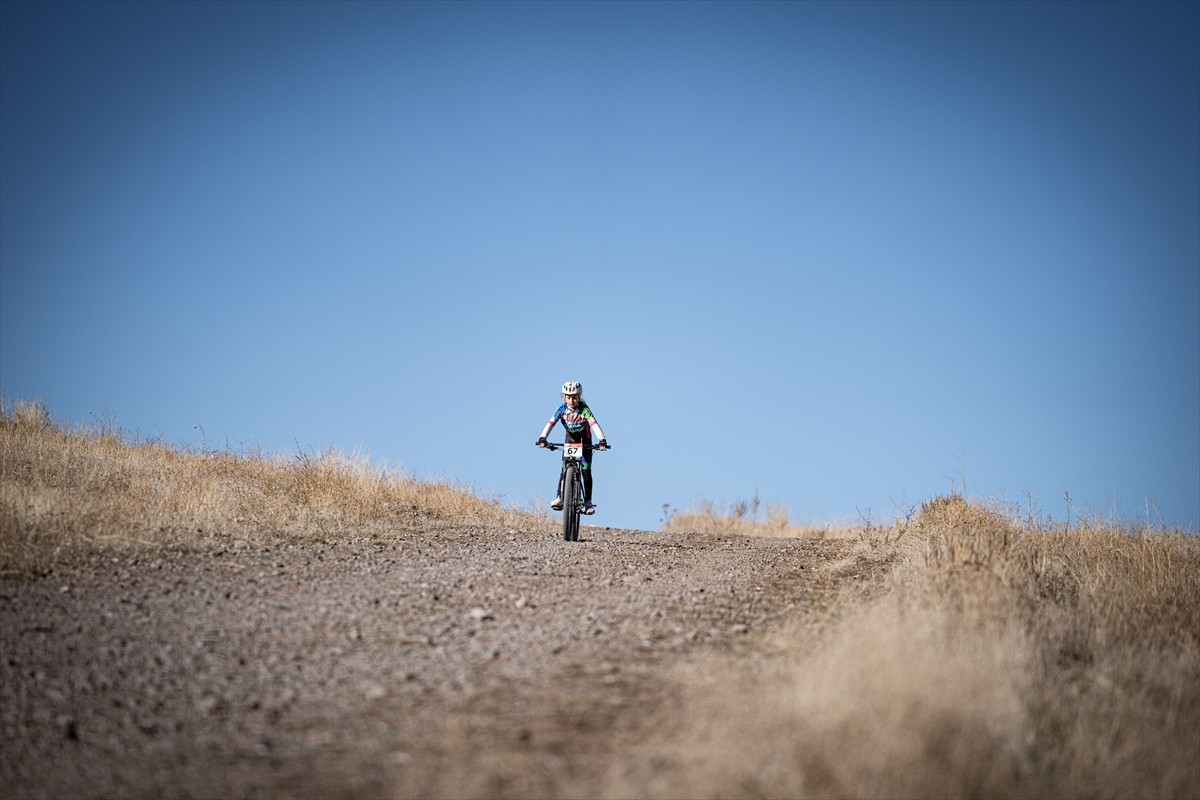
578 423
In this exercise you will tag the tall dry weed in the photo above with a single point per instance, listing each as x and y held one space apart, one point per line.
64 491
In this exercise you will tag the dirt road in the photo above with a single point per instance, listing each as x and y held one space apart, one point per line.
439 662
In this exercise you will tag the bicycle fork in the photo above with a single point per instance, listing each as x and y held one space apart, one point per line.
585 474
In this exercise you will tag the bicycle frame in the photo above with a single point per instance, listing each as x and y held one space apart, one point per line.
570 483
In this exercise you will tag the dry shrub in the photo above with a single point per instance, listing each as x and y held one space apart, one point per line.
951 513
63 491
1004 662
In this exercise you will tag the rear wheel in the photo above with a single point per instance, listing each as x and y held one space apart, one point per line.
570 498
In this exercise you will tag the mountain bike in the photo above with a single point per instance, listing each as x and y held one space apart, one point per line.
570 479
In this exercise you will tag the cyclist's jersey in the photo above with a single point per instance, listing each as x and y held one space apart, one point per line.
579 424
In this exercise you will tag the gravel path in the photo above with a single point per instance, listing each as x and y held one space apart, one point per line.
443 662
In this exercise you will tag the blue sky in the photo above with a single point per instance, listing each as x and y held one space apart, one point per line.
844 256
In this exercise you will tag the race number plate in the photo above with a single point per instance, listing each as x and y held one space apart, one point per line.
573 450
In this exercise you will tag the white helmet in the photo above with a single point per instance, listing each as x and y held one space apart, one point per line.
572 388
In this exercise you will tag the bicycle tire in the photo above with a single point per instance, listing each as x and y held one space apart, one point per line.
571 504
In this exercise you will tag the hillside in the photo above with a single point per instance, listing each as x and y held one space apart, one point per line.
217 625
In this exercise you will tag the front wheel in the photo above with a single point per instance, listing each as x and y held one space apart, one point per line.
570 498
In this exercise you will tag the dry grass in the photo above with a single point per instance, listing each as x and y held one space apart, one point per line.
65 490
749 518
1004 661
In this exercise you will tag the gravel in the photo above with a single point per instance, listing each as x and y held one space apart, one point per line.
451 662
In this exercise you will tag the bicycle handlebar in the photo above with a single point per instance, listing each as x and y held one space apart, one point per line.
552 446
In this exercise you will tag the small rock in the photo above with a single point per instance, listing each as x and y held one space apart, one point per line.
740 629
481 615
67 725
207 704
